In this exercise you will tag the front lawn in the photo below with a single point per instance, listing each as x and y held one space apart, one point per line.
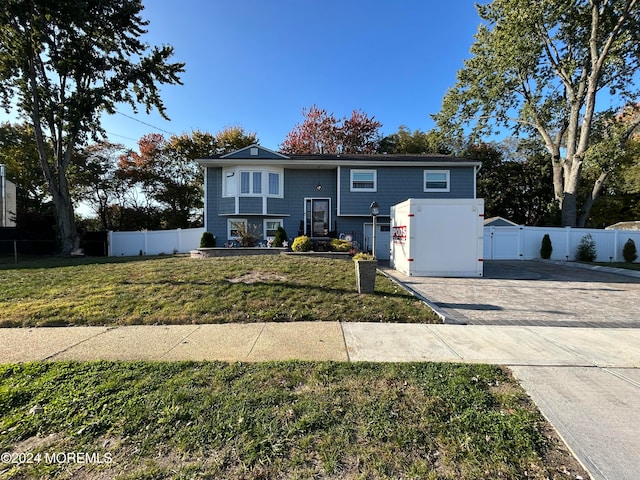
293 420
180 290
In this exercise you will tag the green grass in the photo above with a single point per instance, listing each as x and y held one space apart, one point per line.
179 290
289 420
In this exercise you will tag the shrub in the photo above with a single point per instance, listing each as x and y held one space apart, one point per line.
338 245
629 251
586 249
280 237
302 244
363 256
207 240
546 248
248 234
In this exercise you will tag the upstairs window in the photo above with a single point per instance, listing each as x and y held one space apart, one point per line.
274 184
247 183
436 181
363 180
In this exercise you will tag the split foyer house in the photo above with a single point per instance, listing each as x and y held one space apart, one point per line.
324 195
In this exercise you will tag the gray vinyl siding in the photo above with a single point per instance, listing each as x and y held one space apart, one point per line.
213 187
301 184
215 223
227 205
298 185
394 185
249 205
397 184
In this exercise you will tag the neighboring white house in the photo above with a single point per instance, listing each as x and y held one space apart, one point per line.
7 200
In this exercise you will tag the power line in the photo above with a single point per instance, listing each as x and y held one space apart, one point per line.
144 123
122 136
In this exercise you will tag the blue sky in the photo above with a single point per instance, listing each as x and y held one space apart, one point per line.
258 63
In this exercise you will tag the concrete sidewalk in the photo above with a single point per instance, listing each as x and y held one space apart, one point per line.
372 342
584 380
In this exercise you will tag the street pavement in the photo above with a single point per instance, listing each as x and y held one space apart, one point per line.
570 336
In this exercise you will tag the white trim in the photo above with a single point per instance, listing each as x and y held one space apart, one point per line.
338 162
447 176
363 171
338 195
237 172
306 199
206 189
230 222
264 226
476 170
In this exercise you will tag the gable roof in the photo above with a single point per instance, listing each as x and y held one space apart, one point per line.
258 155
253 151
499 222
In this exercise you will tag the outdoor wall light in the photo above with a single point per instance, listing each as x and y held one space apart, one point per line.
375 211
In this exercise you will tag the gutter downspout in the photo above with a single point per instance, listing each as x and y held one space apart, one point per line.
475 180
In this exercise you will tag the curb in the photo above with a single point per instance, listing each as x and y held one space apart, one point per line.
436 309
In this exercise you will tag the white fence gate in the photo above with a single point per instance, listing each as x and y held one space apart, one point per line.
512 243
154 242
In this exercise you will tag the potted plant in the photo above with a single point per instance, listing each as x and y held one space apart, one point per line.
366 268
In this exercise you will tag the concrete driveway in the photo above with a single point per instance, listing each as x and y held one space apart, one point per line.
533 293
584 379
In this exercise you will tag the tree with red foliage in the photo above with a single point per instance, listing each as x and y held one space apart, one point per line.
322 132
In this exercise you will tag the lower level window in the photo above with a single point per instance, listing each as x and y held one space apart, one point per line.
233 225
271 227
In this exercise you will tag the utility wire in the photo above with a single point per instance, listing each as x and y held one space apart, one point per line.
122 136
144 123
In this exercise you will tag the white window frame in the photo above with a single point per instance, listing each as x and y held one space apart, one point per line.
265 173
280 221
447 174
230 222
360 189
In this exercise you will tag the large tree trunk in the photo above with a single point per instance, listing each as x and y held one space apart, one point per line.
569 210
66 224
595 192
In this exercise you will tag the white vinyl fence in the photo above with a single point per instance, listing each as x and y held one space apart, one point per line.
513 243
154 242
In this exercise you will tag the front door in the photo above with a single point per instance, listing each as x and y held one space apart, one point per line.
317 221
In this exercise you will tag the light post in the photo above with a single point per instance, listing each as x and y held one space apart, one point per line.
375 211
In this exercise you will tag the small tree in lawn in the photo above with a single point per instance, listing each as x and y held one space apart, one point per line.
546 248
280 237
586 249
629 251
